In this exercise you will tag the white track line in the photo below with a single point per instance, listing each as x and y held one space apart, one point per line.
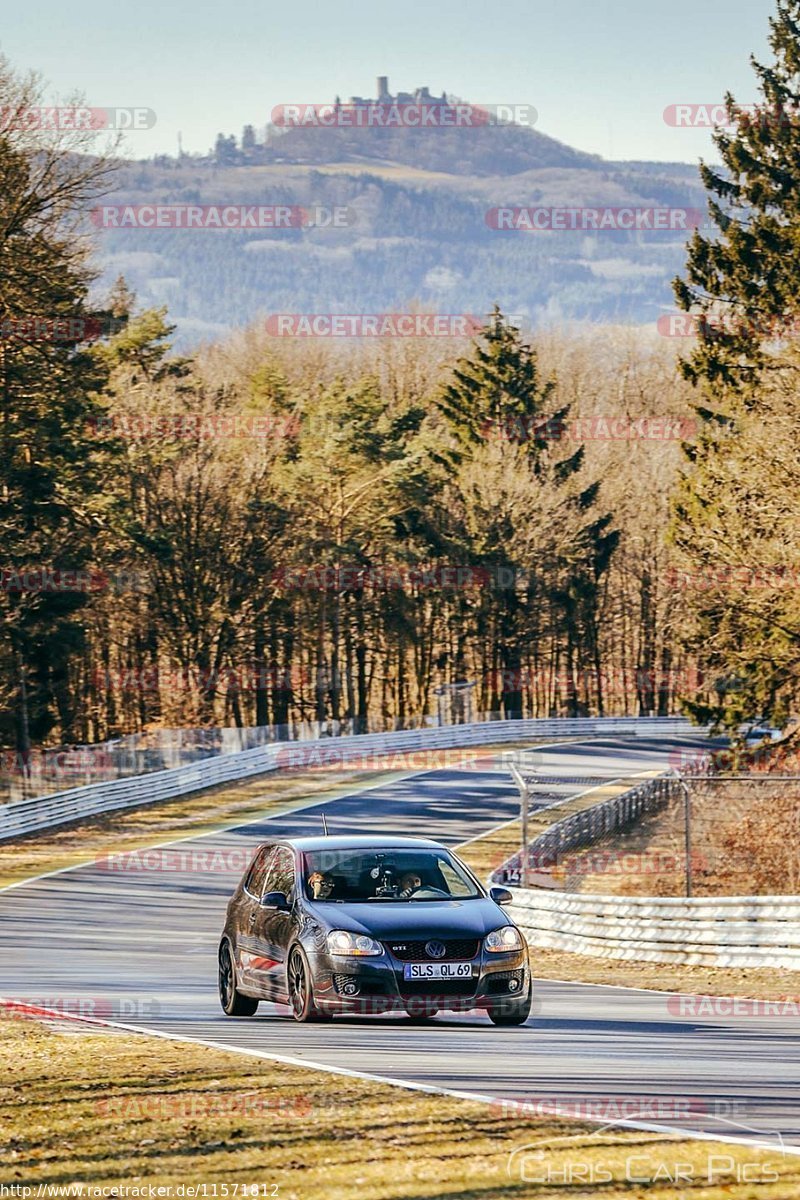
677 1132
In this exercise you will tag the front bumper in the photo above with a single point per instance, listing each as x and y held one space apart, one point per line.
378 985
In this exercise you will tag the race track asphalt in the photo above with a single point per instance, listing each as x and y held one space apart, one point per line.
138 946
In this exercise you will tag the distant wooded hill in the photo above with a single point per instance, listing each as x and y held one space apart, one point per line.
418 202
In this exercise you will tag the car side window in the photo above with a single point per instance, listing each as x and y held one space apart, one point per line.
455 884
254 883
280 872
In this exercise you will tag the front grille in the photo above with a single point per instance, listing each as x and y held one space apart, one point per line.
498 982
438 987
456 949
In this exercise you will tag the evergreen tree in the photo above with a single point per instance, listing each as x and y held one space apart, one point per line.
736 490
742 281
498 392
497 398
51 467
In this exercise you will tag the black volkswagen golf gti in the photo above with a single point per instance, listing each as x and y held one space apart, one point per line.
366 925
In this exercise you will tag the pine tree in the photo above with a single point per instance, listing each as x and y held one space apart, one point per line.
498 398
735 507
742 281
498 392
51 467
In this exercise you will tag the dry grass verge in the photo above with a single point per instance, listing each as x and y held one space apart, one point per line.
106 1109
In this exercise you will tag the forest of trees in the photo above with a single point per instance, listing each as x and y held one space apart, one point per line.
388 520
279 530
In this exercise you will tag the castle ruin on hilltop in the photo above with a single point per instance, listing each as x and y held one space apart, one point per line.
421 96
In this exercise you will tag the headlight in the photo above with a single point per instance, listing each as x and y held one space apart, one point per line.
342 942
507 938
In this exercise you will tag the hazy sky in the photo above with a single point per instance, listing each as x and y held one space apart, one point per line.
599 74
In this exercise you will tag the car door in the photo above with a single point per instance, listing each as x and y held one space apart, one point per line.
272 927
247 912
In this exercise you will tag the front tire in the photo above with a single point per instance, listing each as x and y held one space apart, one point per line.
301 989
511 1012
234 1003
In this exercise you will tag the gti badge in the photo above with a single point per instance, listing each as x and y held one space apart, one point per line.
435 949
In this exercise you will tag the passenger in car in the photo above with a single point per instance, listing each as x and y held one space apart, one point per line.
321 886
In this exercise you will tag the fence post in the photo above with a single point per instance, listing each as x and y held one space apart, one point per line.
524 796
687 830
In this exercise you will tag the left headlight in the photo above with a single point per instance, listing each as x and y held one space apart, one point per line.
340 941
506 938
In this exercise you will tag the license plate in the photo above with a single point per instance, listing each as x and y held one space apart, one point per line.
451 970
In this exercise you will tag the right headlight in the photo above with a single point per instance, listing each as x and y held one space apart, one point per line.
358 945
508 937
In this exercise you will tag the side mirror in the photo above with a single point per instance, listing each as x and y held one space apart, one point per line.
275 900
501 895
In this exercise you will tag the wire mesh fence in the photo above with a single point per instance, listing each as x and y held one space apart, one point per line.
702 835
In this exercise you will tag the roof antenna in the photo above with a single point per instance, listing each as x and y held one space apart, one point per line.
324 824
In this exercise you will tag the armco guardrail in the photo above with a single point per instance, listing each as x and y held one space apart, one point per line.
28 816
736 931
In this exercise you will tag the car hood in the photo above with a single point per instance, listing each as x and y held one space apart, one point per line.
407 918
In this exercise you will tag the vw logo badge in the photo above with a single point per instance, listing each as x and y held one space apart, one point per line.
435 949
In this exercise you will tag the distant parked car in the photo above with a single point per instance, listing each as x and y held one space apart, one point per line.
370 925
753 732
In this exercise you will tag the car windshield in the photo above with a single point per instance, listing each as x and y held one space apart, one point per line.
360 876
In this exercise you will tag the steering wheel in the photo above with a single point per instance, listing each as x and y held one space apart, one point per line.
427 888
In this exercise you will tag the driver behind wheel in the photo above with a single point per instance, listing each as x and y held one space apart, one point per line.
409 883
